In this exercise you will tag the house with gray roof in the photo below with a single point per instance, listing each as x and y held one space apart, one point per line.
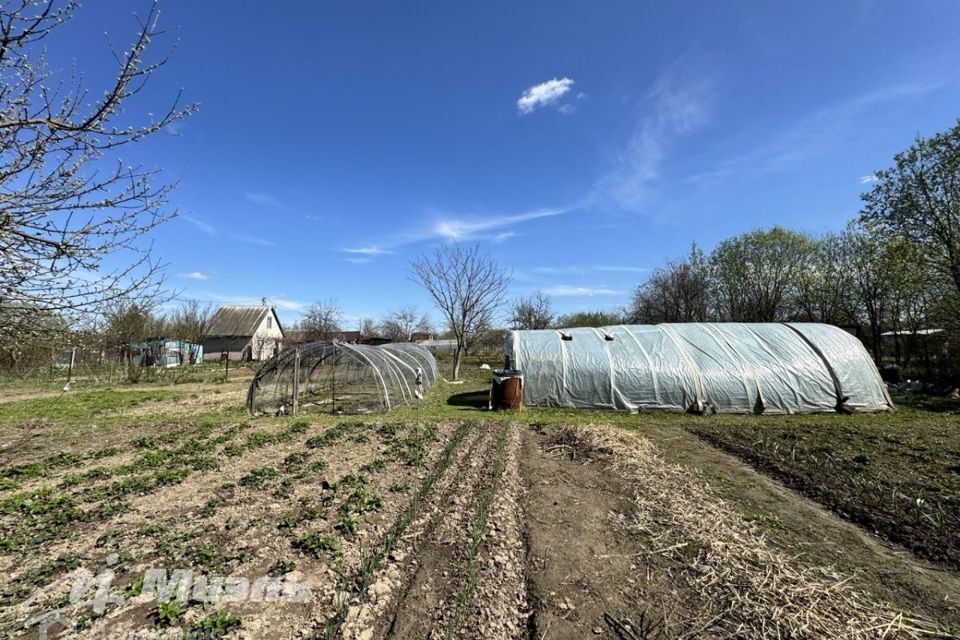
243 333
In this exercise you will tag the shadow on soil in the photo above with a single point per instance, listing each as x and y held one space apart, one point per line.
470 400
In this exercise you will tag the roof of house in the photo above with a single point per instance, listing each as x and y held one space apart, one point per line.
237 321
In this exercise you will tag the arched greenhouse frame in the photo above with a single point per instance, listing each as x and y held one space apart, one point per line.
339 377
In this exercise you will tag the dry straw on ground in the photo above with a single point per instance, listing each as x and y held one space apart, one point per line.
737 584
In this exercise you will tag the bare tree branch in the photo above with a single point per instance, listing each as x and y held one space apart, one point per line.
71 227
467 286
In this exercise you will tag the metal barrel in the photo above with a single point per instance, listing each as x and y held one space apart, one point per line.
507 391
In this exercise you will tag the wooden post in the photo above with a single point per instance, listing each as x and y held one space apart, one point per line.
73 356
333 379
296 380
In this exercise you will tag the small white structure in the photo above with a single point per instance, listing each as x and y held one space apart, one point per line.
243 333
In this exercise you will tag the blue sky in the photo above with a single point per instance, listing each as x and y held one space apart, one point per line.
580 143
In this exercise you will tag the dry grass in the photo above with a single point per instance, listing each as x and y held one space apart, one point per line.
737 583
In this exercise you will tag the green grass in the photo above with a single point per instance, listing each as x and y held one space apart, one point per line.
81 405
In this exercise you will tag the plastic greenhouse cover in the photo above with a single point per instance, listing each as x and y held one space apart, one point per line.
389 372
723 367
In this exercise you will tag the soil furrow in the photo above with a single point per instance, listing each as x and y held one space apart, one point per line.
410 575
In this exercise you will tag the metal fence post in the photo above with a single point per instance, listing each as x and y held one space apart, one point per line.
296 380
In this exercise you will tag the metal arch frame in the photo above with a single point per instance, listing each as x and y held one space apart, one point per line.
394 366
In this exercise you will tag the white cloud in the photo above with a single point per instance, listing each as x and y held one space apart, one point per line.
869 178
195 275
491 227
262 199
543 94
564 291
279 301
472 228
678 107
372 250
359 260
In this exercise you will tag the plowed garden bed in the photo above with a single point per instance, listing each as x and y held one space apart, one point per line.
165 524
900 479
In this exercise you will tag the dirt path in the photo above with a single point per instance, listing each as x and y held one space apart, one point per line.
590 566
579 565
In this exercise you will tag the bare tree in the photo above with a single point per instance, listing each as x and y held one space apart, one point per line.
369 328
533 312
189 321
676 292
467 286
63 206
404 322
127 323
321 320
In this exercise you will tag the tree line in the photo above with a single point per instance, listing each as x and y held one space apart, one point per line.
895 268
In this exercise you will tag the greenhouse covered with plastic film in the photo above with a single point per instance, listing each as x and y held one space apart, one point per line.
338 377
699 367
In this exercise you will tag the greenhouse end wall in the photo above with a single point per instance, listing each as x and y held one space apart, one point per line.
778 368
342 378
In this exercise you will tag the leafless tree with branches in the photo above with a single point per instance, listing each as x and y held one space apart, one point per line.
467 286
189 321
532 312
64 208
321 320
404 322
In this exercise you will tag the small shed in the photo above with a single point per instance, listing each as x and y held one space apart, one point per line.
166 353
243 333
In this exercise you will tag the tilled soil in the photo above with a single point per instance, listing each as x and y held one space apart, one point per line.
454 530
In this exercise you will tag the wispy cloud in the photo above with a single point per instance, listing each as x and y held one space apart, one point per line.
262 199
205 227
676 107
819 133
371 250
869 178
543 94
279 301
195 275
566 291
212 231
581 270
470 228
493 228
613 268
249 239
175 128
